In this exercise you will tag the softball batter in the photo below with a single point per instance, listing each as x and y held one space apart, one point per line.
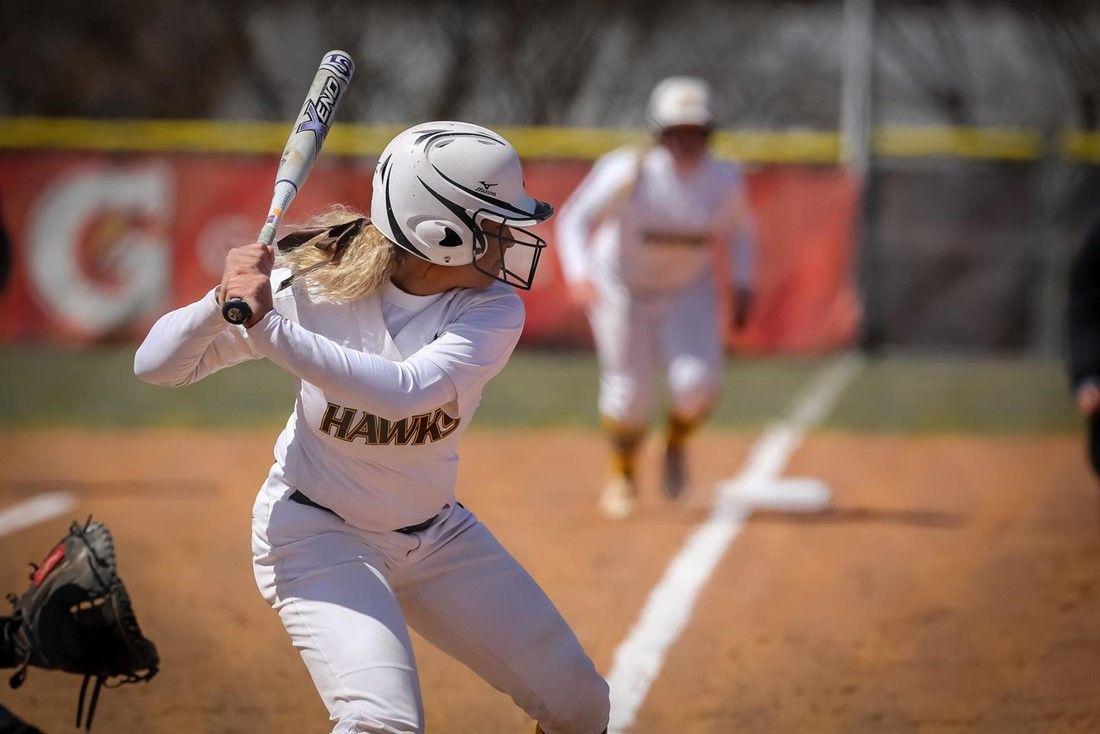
653 215
392 326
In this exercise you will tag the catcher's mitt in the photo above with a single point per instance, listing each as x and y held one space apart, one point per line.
76 616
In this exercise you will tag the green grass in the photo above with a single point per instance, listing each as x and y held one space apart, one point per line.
45 386
957 394
97 388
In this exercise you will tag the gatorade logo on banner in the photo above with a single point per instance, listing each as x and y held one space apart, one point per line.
98 254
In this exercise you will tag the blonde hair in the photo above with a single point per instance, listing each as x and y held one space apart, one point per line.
363 268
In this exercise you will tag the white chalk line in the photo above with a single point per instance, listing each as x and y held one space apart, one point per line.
40 508
639 657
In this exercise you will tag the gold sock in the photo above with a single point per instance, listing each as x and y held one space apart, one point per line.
679 428
624 442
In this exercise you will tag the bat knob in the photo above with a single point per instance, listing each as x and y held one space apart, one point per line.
236 311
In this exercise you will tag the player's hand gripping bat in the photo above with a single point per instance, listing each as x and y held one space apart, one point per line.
302 148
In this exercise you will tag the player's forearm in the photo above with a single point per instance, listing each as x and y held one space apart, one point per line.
743 256
388 389
175 347
584 210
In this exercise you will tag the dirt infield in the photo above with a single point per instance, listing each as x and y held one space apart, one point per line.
954 585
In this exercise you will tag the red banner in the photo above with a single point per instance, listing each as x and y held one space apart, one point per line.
103 244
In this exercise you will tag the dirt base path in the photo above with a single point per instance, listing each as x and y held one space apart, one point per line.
179 505
956 585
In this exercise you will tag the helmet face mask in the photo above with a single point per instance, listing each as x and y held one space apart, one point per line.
514 258
447 192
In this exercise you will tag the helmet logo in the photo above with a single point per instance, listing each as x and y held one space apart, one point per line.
450 238
486 188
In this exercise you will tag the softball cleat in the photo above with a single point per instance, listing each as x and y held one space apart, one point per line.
618 498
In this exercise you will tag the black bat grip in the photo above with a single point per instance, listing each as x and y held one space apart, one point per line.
236 311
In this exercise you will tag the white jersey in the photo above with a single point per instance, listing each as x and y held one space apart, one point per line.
386 386
639 223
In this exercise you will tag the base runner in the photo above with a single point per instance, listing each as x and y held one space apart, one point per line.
638 239
392 327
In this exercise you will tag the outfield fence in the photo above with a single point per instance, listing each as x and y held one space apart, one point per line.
113 222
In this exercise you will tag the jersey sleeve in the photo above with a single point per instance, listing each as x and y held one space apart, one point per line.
1083 313
388 389
475 347
738 228
464 356
585 208
190 343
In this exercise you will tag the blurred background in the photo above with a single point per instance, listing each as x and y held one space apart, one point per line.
921 172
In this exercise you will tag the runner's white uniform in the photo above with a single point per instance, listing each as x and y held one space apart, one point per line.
641 233
386 386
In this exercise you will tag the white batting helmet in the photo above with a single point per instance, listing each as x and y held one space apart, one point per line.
680 100
436 185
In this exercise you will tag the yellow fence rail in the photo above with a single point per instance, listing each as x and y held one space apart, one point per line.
346 139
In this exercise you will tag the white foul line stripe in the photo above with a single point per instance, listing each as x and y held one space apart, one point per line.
639 657
39 508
